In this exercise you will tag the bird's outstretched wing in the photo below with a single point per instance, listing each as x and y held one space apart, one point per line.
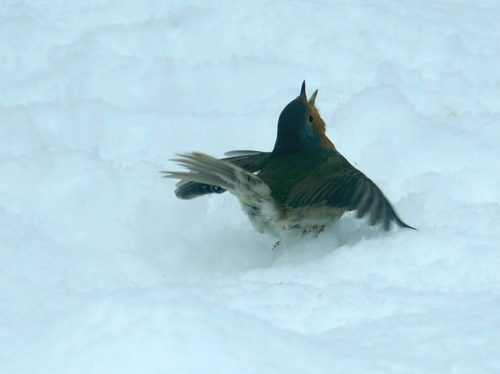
251 161
338 184
246 186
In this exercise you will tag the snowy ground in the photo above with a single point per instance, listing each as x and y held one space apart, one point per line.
103 270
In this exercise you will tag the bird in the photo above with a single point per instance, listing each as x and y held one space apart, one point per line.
303 185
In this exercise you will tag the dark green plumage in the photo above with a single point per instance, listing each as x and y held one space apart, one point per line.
304 180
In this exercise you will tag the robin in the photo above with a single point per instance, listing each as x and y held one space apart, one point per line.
303 185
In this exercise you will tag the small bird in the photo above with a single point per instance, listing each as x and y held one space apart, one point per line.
301 186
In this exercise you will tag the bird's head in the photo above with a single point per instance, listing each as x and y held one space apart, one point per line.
300 127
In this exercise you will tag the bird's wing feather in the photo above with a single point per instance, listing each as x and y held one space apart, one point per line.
248 160
240 153
338 184
249 188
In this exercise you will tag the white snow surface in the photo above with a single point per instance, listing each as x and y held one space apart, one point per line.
104 270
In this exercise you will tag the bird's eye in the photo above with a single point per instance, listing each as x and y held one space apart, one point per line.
311 118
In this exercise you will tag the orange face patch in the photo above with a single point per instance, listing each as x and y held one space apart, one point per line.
317 123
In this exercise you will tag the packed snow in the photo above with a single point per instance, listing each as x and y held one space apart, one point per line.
104 270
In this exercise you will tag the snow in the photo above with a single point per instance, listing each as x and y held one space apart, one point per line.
103 270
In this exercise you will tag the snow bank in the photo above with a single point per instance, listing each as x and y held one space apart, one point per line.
104 270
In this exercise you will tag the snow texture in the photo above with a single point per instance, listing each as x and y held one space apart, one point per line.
103 270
